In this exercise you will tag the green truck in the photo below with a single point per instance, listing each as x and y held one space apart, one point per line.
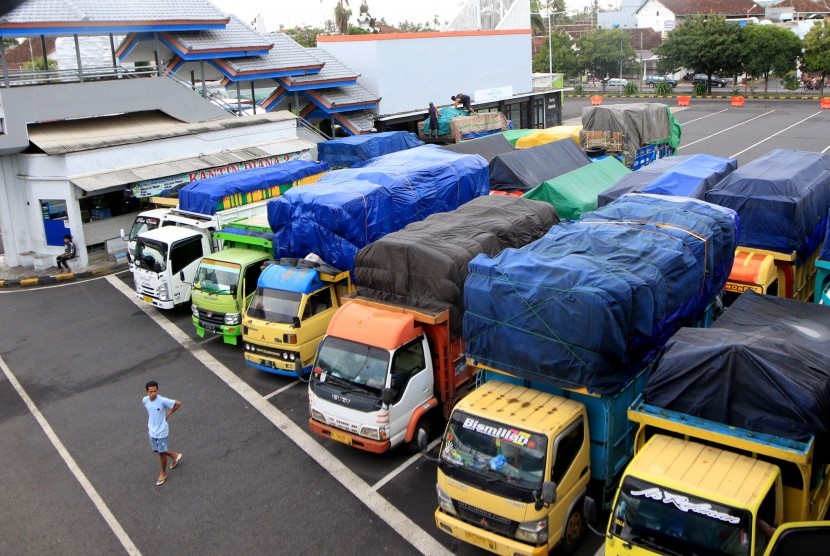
227 279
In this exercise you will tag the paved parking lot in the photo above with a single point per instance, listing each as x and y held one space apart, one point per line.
79 477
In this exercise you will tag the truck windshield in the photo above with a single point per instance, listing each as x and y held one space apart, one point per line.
143 224
497 452
151 254
274 305
217 276
671 522
355 363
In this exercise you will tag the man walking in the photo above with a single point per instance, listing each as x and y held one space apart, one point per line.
159 409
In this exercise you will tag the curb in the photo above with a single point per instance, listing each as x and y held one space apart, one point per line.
54 279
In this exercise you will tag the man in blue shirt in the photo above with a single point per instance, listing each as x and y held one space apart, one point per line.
159 409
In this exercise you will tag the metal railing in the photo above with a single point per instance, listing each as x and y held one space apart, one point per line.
73 75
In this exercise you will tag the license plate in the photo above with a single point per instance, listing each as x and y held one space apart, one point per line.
210 326
342 438
478 540
739 288
147 298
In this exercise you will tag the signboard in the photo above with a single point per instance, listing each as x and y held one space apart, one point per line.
668 25
552 114
494 94
150 188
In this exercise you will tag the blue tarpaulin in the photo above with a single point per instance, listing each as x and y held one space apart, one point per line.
782 199
683 176
592 302
825 250
348 209
202 196
345 152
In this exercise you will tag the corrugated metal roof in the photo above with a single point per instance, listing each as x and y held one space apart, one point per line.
333 70
89 12
108 131
339 96
235 36
286 54
123 176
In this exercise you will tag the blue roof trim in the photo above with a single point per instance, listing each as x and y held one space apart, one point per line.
326 85
292 279
207 55
270 105
103 30
339 109
130 48
264 75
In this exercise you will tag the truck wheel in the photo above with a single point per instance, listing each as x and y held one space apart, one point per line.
423 424
574 530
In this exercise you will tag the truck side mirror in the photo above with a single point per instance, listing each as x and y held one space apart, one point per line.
123 237
548 495
589 509
386 396
181 275
295 322
233 290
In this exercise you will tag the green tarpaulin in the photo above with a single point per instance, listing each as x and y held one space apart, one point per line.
444 116
514 135
576 192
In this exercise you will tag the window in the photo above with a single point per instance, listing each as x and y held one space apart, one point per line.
766 513
317 302
538 113
184 253
251 276
567 446
407 362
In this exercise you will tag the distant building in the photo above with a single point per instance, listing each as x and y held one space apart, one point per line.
625 17
796 10
664 15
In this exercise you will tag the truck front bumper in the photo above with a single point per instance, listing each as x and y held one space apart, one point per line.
350 439
481 538
155 302
230 333
276 366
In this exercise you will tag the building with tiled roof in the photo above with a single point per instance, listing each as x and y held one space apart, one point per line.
31 49
665 15
787 10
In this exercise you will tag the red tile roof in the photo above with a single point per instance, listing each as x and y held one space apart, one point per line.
651 39
21 54
720 7
804 6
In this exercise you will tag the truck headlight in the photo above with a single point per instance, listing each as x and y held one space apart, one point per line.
232 318
370 432
535 532
195 311
317 416
444 501
164 292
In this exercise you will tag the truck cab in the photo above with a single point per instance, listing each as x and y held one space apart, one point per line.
165 263
514 465
288 315
771 273
379 372
144 222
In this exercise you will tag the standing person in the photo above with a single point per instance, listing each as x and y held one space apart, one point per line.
464 100
159 409
433 120
69 252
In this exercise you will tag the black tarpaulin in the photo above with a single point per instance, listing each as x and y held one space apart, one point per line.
488 147
425 264
764 366
524 169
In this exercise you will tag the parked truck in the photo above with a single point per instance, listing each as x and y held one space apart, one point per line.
782 200
226 280
563 332
732 435
395 353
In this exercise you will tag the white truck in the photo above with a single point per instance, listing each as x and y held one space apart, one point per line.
166 257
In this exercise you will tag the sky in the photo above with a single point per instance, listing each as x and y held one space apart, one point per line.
291 13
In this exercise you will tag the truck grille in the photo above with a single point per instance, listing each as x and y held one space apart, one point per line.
343 425
147 290
211 317
259 350
486 520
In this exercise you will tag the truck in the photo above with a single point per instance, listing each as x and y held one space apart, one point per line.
288 315
392 361
744 449
559 363
225 281
782 199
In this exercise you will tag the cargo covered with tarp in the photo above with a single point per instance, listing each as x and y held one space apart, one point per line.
425 264
207 196
591 303
549 135
513 135
628 127
681 176
576 192
763 366
460 124
782 199
488 147
825 248
524 169
345 152
351 208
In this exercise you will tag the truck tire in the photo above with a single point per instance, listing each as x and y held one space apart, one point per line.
574 530
411 447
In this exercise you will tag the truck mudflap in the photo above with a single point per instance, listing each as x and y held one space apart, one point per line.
422 409
230 334
485 539
349 439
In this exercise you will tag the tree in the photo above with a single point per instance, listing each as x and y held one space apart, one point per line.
817 51
564 57
770 50
341 16
305 36
412 27
705 44
601 51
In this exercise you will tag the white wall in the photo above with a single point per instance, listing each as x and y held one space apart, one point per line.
409 70
655 15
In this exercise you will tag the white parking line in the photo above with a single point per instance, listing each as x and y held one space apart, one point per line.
706 116
826 149
724 130
399 469
90 491
396 519
283 389
773 135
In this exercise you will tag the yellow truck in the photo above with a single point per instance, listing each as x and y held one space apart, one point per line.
771 273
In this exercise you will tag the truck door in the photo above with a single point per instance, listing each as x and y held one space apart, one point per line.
411 384
249 281
570 470
185 255
316 314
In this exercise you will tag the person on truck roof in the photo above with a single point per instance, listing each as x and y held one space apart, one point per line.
464 100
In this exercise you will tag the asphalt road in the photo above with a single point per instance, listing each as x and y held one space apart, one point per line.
79 477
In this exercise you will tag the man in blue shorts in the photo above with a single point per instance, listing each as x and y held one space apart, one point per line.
159 409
